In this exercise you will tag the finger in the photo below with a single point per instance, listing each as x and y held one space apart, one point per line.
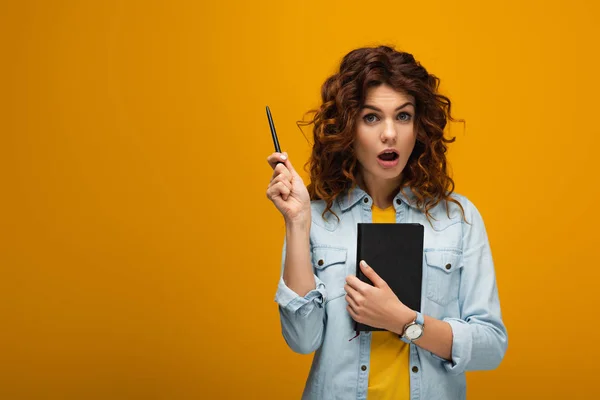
357 284
357 298
372 275
271 194
281 190
288 187
281 169
277 190
289 165
350 300
283 179
351 291
275 158
353 313
282 182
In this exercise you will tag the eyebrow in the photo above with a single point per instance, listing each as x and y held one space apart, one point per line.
408 103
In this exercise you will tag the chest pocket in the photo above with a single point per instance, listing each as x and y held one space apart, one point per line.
443 275
330 266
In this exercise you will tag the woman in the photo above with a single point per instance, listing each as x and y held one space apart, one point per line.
379 156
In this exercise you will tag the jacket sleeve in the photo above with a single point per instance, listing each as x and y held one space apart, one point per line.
479 335
302 318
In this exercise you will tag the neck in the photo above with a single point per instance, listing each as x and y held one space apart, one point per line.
382 191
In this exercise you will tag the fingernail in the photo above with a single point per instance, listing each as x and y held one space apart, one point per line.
283 156
364 264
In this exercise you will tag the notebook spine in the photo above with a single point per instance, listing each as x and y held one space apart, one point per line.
358 327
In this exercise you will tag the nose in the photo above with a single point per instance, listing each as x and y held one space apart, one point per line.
389 133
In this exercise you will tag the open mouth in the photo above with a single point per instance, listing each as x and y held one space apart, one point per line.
388 156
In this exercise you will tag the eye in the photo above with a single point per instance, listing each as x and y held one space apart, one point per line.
370 118
404 116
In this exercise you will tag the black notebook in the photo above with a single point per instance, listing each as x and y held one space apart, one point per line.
395 252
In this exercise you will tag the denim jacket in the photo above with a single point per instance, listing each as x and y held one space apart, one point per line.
458 286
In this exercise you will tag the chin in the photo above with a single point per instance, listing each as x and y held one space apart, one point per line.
390 173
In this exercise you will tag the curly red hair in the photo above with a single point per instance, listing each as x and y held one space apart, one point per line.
333 164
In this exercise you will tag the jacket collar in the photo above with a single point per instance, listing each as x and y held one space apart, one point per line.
351 197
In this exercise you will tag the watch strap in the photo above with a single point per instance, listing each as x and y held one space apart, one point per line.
418 320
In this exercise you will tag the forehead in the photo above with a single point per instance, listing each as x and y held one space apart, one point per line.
386 95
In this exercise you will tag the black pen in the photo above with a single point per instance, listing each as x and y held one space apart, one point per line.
273 132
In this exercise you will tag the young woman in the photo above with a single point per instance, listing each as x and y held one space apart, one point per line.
379 155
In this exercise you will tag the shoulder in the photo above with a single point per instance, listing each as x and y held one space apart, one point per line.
472 221
457 209
326 220
468 206
455 205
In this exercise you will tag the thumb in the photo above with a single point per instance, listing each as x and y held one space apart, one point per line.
372 275
289 165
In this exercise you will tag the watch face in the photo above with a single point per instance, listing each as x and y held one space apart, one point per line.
414 331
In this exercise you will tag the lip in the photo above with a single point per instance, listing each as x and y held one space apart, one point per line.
389 150
388 164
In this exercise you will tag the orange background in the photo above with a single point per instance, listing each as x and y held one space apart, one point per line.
139 255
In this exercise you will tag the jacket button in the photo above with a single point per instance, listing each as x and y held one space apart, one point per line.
398 201
363 367
415 369
366 200
321 262
448 266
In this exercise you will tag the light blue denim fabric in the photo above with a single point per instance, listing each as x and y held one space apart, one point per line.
464 294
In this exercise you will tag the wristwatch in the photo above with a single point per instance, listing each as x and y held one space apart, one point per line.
414 329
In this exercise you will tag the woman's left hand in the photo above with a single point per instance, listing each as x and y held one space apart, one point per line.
377 305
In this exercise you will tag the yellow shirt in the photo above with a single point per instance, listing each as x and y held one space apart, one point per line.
389 375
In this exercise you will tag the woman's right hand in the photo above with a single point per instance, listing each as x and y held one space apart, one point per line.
287 190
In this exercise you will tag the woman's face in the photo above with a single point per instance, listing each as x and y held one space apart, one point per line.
385 122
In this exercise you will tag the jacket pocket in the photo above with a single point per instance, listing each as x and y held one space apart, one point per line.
443 275
330 266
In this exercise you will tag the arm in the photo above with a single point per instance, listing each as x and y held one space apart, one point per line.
475 341
378 306
436 338
478 339
479 335
298 272
300 293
